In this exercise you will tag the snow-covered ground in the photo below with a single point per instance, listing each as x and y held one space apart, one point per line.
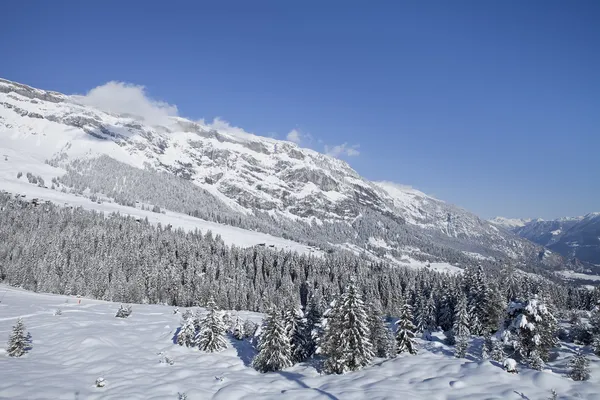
71 351
578 275
13 162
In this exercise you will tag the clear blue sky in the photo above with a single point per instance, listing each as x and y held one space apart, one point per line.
491 105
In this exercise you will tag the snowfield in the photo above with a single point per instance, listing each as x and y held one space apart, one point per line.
70 351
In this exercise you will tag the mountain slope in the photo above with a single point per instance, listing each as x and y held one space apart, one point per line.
245 180
573 237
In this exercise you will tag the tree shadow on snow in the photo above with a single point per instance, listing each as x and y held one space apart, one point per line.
522 395
245 350
29 341
293 376
175 335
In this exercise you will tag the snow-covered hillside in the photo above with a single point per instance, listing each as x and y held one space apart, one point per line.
20 161
251 181
70 351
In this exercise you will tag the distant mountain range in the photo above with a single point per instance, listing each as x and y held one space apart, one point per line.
248 181
573 237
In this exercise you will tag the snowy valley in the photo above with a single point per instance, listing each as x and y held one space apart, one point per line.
249 267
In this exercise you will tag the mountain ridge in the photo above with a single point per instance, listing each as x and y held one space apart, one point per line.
575 238
268 184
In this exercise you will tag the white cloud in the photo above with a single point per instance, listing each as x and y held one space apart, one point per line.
342 150
126 98
294 136
221 125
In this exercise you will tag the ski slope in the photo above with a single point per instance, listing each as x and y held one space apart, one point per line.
13 161
71 351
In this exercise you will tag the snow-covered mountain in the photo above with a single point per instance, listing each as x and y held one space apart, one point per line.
510 223
242 179
573 237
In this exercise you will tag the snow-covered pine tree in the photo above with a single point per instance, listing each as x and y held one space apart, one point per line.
530 329
346 342
446 313
596 345
405 331
212 330
187 333
250 328
274 349
18 341
295 328
237 330
197 318
460 348
314 326
425 315
381 335
487 346
497 353
580 367
460 328
595 319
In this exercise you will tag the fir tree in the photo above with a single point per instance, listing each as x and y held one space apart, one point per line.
530 329
314 325
405 332
425 315
487 346
460 349
595 319
381 335
212 329
250 328
274 349
295 328
346 342
187 334
237 330
497 353
446 318
460 328
596 345
580 368
18 342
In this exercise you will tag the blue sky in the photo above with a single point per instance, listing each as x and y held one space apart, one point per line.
491 105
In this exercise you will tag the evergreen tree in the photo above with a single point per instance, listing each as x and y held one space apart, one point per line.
274 349
595 319
295 328
530 329
487 347
18 341
580 368
187 333
211 337
346 342
446 319
497 353
460 328
596 345
460 349
381 335
250 328
314 327
237 330
425 315
405 332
